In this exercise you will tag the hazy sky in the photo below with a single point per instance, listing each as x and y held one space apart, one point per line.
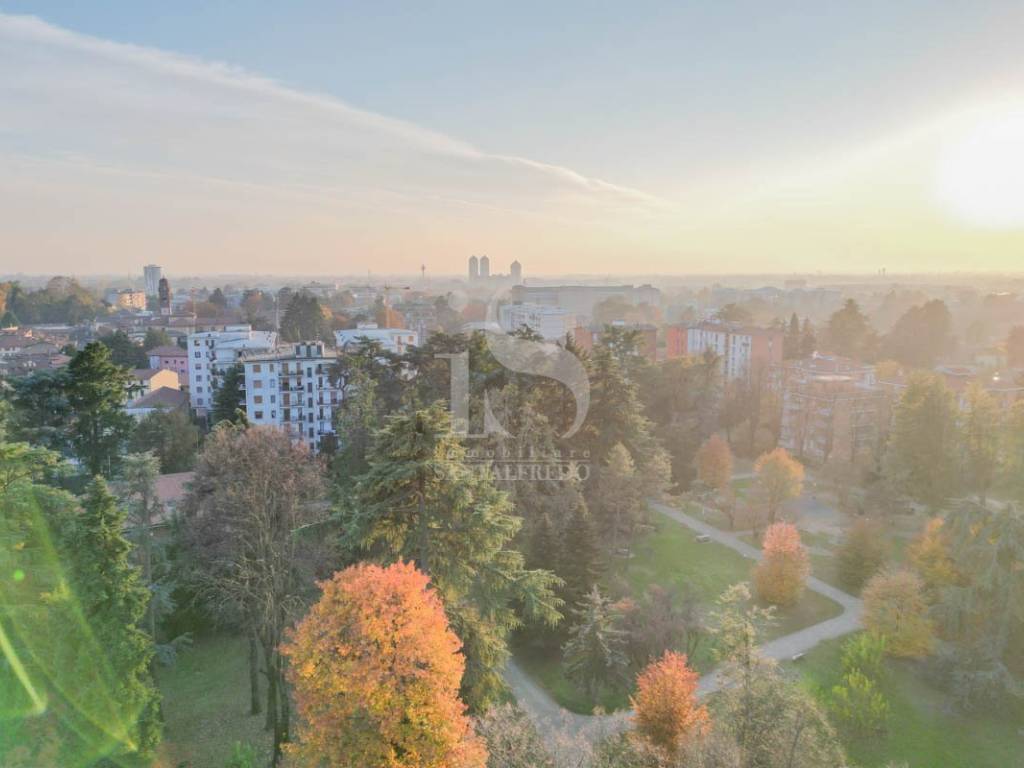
323 137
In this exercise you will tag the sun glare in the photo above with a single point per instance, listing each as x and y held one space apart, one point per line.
980 172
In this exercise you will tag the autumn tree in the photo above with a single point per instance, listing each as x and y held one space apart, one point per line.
667 711
781 574
921 335
1015 347
422 501
931 557
895 608
715 464
780 478
595 654
253 514
1013 451
862 552
981 433
376 672
512 739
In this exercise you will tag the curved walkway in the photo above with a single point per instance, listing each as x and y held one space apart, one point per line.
554 720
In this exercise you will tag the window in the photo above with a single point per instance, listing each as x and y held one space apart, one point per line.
199 401
258 399
258 384
273 398
257 368
258 414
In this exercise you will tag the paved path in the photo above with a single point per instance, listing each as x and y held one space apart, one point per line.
552 719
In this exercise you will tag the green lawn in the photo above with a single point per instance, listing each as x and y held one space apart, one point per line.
670 557
922 731
206 705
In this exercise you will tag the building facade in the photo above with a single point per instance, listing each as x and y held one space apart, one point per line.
742 350
170 358
212 353
551 323
292 388
151 274
394 340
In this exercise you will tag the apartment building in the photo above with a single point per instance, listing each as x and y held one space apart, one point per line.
211 353
551 323
742 350
394 340
170 358
291 388
832 410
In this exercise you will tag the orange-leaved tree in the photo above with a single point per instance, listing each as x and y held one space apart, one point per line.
896 609
668 715
780 478
931 558
784 566
376 671
714 464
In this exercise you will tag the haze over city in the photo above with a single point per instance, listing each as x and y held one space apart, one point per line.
662 140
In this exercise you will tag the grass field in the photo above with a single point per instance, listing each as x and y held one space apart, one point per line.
922 731
670 557
206 705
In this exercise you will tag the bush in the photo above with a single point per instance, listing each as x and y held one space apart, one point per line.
858 706
865 653
242 756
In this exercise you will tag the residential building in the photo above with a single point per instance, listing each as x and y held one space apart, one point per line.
580 300
395 340
127 298
212 353
146 380
152 274
162 399
675 340
292 388
832 410
742 350
551 323
170 358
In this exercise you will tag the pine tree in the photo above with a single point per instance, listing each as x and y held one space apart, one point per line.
420 501
792 343
581 555
112 601
595 654
229 399
808 339
96 392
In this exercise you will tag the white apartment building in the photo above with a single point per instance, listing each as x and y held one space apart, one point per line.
741 350
291 388
551 323
151 274
396 340
211 353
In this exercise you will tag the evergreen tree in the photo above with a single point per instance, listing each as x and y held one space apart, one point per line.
156 337
849 332
171 436
808 339
420 501
112 601
124 351
921 458
581 555
229 399
96 392
595 654
793 341
921 335
304 319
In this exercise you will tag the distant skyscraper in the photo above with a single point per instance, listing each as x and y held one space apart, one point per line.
152 274
485 266
164 291
474 267
516 271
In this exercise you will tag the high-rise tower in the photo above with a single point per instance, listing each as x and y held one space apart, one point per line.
516 272
485 267
152 273
474 268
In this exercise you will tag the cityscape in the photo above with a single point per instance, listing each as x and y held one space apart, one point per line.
376 392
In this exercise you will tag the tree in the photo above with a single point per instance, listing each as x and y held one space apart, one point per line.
421 501
156 337
512 739
124 351
863 551
112 602
920 458
782 572
40 408
619 498
792 343
1013 451
304 319
96 391
660 621
594 657
921 336
931 558
858 705
667 712
849 332
780 478
1015 347
229 399
580 563
895 608
808 339
255 533
769 720
376 671
170 436
138 480
714 464
981 433
218 299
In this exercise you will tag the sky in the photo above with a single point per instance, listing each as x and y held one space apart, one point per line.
584 137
